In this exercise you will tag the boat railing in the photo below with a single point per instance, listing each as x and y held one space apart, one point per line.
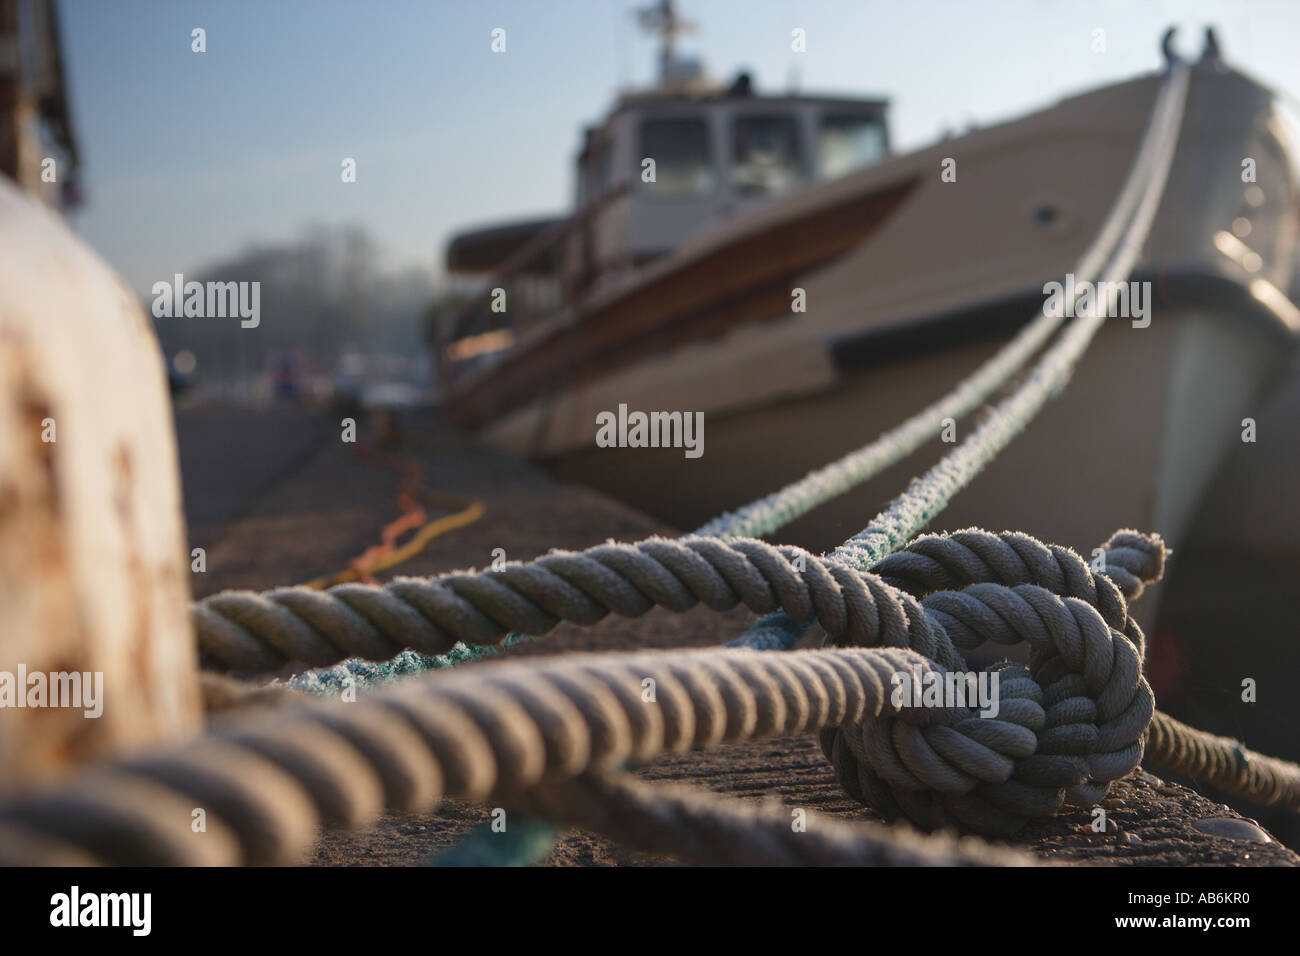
550 271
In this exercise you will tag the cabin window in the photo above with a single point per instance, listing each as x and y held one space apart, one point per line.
766 155
683 161
847 143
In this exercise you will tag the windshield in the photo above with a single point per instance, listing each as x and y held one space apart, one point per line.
766 155
683 160
847 143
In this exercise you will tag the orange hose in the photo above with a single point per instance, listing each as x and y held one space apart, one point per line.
412 515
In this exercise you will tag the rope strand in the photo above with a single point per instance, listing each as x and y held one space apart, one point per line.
709 830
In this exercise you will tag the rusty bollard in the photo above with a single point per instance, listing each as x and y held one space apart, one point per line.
96 652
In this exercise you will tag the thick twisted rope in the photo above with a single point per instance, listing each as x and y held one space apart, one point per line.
853 608
1224 762
265 784
1074 721
704 828
1131 561
1118 559
1066 727
244 630
247 631
1128 562
930 563
504 729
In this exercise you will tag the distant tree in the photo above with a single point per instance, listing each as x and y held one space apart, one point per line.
321 295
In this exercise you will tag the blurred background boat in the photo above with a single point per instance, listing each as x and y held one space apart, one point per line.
676 294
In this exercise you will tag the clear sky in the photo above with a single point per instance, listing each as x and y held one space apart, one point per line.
190 157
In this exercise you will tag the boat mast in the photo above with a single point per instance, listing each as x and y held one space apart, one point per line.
662 19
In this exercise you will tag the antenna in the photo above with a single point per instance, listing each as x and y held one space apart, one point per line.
662 19
620 51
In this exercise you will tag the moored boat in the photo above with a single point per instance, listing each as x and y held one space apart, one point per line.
836 303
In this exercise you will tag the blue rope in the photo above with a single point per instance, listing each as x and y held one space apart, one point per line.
525 841
355 672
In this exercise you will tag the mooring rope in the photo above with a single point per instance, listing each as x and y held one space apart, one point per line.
257 632
246 631
952 561
1126 564
1224 763
698 827
264 783
932 563
1067 726
853 607
1131 561
769 514
928 495
1084 694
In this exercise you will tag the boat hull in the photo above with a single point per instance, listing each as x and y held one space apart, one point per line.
1133 441
944 276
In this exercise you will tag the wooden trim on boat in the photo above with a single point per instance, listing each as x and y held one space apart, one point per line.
745 281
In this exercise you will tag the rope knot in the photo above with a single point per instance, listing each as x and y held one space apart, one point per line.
991 749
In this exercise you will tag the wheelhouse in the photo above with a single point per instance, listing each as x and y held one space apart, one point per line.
685 164
663 167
